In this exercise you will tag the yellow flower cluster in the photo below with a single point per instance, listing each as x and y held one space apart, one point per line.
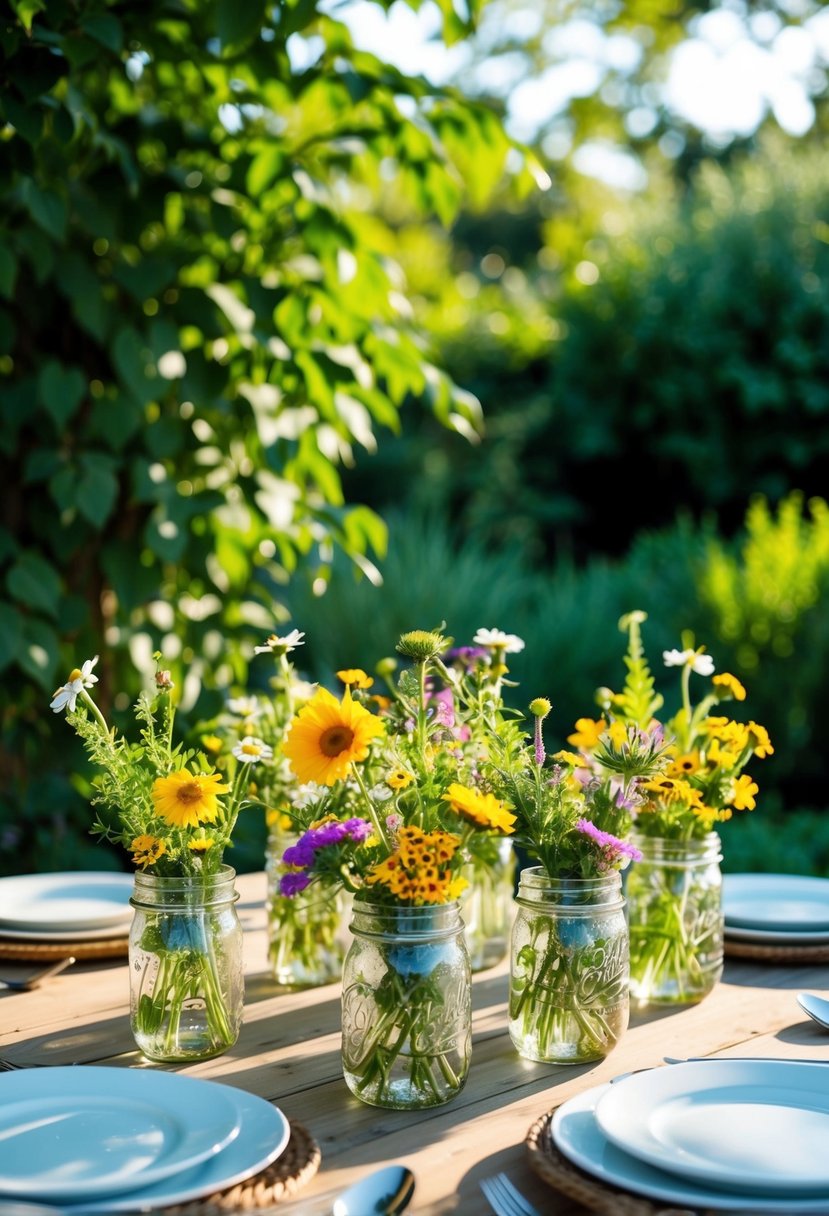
417 871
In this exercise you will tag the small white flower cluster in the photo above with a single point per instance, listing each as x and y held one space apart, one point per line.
498 640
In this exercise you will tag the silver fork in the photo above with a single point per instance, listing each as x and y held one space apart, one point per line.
504 1199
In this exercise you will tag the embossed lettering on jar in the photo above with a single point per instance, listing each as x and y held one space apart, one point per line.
406 1006
568 998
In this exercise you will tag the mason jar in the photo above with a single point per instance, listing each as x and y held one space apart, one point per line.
675 917
307 935
406 1005
568 993
487 904
185 964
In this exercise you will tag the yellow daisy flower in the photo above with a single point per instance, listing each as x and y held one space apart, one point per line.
327 736
399 779
211 743
201 845
744 790
729 685
565 757
485 810
760 737
146 850
186 799
356 677
685 765
587 733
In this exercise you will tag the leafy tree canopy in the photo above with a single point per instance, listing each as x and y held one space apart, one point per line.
202 319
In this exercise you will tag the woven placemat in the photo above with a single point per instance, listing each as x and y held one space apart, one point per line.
554 1168
773 953
293 1169
25 951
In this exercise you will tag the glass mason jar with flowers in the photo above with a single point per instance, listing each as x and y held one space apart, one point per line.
569 966
674 892
306 939
400 801
175 815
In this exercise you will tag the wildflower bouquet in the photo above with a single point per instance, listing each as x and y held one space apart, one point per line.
674 894
175 815
569 966
400 801
305 943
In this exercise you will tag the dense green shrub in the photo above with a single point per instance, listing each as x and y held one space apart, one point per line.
685 363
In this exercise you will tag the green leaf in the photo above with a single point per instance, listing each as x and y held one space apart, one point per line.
46 208
238 23
97 489
264 168
34 582
11 634
26 120
61 390
40 465
8 272
134 365
115 420
26 10
39 652
106 29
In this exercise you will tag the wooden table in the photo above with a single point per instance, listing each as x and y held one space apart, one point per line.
289 1052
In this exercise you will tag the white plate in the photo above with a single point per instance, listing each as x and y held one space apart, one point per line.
787 937
74 1133
776 901
739 1125
73 900
577 1135
264 1134
65 935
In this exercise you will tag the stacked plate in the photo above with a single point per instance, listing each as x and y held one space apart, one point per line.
733 1135
75 906
109 1140
776 909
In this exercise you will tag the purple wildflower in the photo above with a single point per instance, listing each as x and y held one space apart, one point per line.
611 848
467 657
292 884
358 829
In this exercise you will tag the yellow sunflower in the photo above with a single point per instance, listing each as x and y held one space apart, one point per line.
328 735
482 809
186 799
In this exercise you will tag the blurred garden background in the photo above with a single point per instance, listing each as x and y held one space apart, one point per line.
301 332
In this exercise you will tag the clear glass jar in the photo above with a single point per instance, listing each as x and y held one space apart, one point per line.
185 963
487 903
406 1006
675 917
307 940
568 995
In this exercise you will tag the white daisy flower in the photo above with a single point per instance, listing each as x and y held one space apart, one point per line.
251 750
278 645
66 696
702 664
245 707
499 640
